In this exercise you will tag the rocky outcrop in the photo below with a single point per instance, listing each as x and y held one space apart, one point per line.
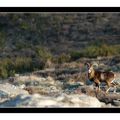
37 90
11 90
63 100
8 91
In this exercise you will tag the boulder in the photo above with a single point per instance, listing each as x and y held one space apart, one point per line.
63 100
11 90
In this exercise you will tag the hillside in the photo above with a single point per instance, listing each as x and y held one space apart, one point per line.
60 32
43 56
29 40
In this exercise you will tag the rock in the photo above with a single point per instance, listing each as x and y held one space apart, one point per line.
22 86
118 90
29 101
88 82
81 83
63 100
107 98
71 88
11 90
3 96
85 100
73 82
32 83
101 95
50 80
108 105
116 102
17 75
44 90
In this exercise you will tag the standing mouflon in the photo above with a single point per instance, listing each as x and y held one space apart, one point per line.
99 76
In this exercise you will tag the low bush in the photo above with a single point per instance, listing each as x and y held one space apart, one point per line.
101 50
94 51
43 53
8 66
76 55
63 58
25 26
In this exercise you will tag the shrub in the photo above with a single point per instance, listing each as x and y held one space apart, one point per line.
25 26
76 55
8 67
23 64
63 58
19 46
2 40
96 50
92 51
37 64
101 50
43 53
3 72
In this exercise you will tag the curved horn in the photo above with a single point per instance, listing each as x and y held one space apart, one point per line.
88 64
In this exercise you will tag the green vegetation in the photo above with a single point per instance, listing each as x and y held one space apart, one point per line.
8 66
21 64
101 50
43 53
94 51
76 55
32 39
63 58
2 40
22 45
25 26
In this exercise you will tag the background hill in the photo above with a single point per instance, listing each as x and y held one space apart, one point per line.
30 39
60 32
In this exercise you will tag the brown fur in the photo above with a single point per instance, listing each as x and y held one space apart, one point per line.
99 76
